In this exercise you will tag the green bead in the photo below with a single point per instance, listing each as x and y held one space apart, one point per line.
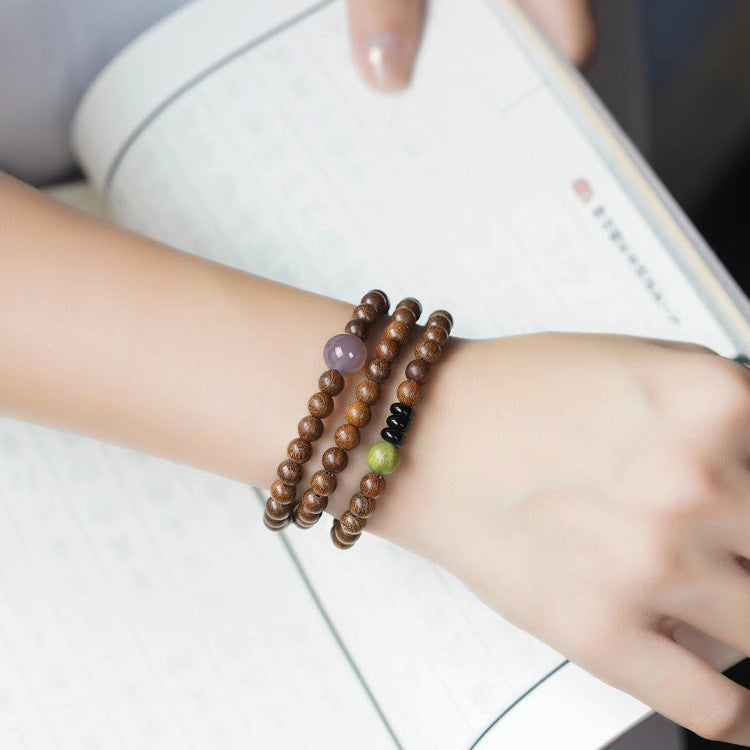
383 457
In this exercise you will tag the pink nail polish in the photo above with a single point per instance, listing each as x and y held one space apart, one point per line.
388 59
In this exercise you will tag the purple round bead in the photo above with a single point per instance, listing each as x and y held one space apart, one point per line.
345 353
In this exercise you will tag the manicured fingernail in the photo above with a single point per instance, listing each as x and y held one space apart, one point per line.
388 57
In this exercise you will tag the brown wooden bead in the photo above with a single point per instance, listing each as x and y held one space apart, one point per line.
409 392
313 503
299 450
289 472
443 314
372 485
362 506
323 483
358 328
310 428
399 332
429 351
378 369
335 460
418 370
377 299
307 516
337 542
275 510
358 414
303 524
331 382
346 436
404 315
388 349
350 524
344 536
320 405
365 312
368 392
283 493
411 304
440 322
436 333
275 525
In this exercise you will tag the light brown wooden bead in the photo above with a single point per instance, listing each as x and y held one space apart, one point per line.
365 312
362 506
289 472
331 382
275 525
429 351
344 536
358 328
299 450
418 370
310 428
368 392
283 493
411 304
350 524
320 405
404 315
439 322
346 436
323 483
388 349
399 332
313 503
372 485
443 314
435 333
358 414
335 460
378 369
277 511
336 541
377 299
409 392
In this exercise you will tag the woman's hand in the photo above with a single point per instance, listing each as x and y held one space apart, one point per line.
589 488
385 34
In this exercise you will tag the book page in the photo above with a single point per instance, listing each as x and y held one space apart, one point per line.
478 191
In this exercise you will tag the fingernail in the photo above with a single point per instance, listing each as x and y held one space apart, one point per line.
388 58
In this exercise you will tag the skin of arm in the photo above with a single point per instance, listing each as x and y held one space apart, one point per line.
593 489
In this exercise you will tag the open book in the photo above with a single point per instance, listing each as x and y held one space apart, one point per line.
137 608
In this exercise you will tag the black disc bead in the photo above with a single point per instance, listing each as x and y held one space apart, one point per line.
397 422
392 436
401 410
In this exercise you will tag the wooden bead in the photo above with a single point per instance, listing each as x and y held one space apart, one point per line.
335 460
436 333
289 472
346 436
275 510
365 312
302 524
404 315
282 493
299 450
409 392
350 524
337 542
358 328
313 503
429 351
344 536
310 428
331 382
372 485
399 332
418 370
320 405
323 483
410 303
275 525
439 322
368 392
377 299
362 506
388 349
306 516
378 369
358 414
443 314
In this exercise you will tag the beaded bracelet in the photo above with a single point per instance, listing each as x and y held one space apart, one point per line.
323 482
344 354
384 458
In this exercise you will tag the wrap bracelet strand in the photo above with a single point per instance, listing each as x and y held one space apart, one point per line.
323 482
344 354
384 458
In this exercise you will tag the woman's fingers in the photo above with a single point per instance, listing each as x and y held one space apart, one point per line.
385 38
685 688
568 23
